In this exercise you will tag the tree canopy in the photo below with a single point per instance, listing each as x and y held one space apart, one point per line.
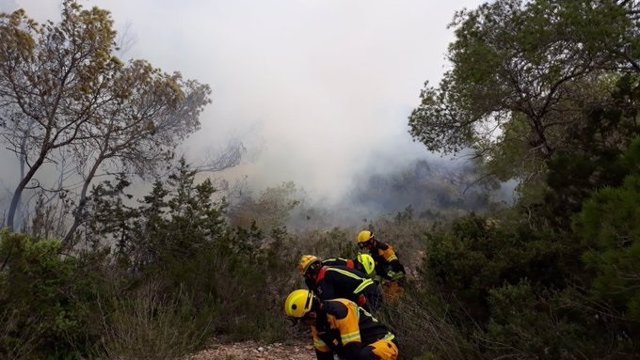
523 73
65 98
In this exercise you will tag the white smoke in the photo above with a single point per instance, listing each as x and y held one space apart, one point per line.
318 91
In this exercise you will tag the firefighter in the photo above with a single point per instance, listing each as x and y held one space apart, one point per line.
331 282
387 265
341 327
386 261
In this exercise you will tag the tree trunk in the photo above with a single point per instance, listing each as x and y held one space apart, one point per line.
82 203
17 194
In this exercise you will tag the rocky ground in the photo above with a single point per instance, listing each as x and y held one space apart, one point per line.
253 351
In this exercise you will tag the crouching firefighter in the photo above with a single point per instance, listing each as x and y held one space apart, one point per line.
388 267
331 282
341 327
387 264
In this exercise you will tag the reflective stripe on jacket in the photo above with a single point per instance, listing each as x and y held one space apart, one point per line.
341 282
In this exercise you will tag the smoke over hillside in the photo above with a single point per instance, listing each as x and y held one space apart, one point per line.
429 189
424 186
317 92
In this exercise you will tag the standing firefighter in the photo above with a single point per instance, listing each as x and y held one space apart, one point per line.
341 327
331 282
388 267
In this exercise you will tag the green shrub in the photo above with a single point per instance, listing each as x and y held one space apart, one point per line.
475 256
609 225
525 326
48 301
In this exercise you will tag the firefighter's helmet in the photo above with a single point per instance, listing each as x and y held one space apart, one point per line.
364 236
306 261
298 303
368 264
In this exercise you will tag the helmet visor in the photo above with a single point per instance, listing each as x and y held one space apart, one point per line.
365 244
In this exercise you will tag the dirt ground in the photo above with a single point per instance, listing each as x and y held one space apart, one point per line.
253 351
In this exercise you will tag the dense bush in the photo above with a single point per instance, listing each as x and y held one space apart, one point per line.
609 225
48 302
474 256
528 325
536 289
176 276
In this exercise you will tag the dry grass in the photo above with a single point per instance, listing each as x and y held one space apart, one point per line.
425 331
149 326
18 337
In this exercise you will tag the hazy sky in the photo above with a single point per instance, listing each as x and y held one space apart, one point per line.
318 89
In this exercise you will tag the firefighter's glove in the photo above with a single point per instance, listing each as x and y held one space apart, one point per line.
395 275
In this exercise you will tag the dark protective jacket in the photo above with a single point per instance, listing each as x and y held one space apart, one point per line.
349 331
334 282
338 261
348 263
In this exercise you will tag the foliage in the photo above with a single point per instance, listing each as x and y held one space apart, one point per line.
178 274
515 291
522 74
269 210
475 257
518 318
522 287
545 92
609 225
425 329
66 99
48 301
150 325
178 238
175 220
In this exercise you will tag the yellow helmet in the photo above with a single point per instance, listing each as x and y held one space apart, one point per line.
364 236
305 262
298 303
367 262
